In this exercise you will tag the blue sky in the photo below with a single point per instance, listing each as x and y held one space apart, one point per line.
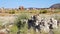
27 3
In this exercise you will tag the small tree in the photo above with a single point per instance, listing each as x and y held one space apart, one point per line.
21 25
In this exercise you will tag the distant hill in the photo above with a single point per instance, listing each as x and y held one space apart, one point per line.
56 6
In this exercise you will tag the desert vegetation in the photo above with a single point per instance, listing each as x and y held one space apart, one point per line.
15 21
21 25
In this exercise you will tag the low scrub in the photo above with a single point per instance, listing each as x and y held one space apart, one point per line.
12 12
43 11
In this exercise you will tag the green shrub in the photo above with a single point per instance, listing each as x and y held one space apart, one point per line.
21 25
12 12
43 11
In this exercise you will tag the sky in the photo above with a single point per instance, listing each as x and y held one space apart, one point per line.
27 3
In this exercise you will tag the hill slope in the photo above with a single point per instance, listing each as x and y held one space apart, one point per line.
56 6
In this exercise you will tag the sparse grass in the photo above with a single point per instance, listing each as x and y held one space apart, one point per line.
30 11
13 29
56 31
